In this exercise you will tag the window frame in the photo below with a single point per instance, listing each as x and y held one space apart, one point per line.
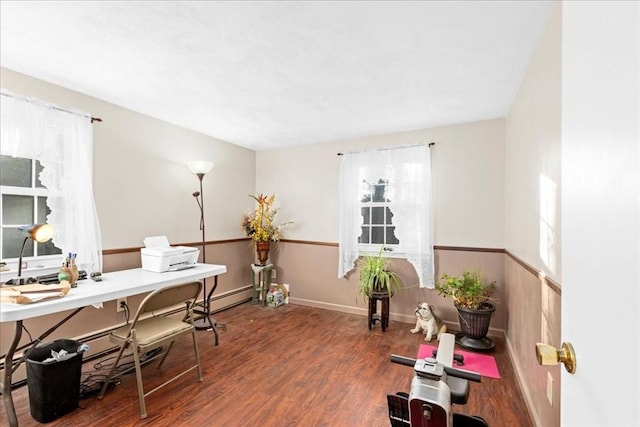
390 250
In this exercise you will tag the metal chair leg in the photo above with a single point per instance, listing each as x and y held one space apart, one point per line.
195 347
143 407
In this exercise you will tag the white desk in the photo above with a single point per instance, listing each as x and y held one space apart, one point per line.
117 284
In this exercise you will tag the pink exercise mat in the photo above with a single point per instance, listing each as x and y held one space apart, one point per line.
483 364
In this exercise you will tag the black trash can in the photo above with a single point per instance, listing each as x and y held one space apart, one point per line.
54 387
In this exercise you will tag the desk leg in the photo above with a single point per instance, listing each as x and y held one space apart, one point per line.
8 373
207 321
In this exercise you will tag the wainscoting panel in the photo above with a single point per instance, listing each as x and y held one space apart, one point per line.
312 272
534 316
527 306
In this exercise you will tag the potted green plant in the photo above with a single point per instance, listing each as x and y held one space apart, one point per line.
377 283
375 277
472 297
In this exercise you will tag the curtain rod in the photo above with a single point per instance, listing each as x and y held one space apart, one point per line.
431 144
53 107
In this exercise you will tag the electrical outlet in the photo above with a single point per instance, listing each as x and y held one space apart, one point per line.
273 275
120 302
550 388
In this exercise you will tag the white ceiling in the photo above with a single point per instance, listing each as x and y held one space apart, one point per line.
273 74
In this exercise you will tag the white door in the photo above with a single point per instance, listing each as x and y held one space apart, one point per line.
601 212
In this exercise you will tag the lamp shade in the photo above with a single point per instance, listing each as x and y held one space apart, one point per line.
38 232
200 167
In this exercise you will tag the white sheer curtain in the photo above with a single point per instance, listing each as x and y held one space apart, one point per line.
408 172
63 142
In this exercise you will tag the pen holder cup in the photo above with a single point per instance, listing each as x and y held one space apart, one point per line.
69 274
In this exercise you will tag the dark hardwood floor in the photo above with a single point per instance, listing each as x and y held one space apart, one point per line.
289 366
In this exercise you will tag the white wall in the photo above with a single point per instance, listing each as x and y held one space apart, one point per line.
468 183
532 220
141 184
532 165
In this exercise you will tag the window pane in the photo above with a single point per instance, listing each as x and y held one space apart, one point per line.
12 239
38 170
391 236
377 235
379 191
15 171
366 215
43 210
17 210
366 193
377 215
389 216
48 248
364 236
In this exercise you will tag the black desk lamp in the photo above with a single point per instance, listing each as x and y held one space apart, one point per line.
38 232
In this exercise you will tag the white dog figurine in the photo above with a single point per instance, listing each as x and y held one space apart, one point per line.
428 322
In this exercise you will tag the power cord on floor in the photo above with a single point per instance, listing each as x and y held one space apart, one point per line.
91 386
94 381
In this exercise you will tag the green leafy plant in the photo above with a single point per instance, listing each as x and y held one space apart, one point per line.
467 290
374 276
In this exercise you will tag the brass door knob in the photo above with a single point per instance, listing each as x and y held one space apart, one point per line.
549 355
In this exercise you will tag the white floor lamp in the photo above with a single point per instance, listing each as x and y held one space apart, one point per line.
200 168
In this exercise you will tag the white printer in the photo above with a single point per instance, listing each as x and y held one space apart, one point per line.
158 256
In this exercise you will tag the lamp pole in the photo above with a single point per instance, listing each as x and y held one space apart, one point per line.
201 205
200 169
206 320
19 280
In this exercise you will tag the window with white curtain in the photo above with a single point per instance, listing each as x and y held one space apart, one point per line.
58 145
385 200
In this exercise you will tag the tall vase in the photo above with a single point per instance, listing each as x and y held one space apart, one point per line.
262 249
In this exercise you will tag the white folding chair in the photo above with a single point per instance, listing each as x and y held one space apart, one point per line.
146 333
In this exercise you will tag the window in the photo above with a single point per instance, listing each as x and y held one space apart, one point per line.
23 202
377 218
385 200
47 174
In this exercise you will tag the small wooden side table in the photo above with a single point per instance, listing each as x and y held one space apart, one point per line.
383 317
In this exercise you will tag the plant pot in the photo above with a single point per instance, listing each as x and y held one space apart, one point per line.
474 325
262 251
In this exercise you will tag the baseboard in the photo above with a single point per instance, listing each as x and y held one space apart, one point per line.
329 306
528 400
350 309
404 318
